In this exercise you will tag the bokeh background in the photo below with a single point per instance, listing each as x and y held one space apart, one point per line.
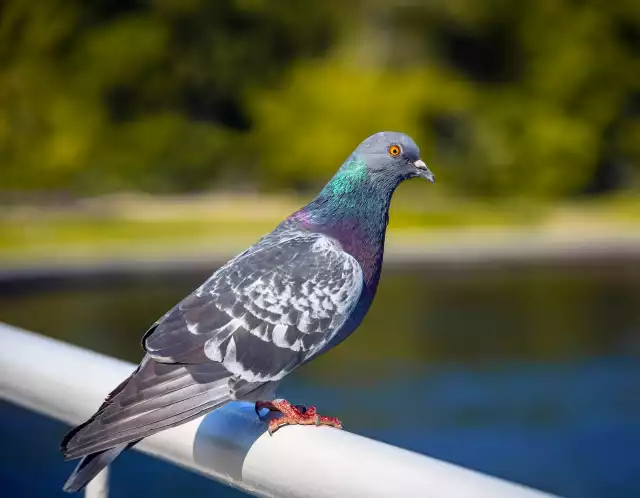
143 142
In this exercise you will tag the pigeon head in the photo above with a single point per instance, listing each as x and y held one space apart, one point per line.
391 156
361 190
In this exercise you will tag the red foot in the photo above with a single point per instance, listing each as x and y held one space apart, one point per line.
295 415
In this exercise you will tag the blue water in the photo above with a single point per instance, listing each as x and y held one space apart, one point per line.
533 376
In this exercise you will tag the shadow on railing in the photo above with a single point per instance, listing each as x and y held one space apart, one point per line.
231 444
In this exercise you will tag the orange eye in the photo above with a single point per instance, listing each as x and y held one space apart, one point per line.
394 150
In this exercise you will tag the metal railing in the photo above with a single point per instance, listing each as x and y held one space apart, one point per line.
230 444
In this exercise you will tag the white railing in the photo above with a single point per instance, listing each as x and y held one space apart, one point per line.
230 444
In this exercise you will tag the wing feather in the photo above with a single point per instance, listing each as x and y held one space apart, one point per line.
265 312
257 318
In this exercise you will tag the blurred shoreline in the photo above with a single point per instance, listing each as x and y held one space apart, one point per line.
152 232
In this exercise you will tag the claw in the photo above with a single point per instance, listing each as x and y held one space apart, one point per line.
294 415
334 422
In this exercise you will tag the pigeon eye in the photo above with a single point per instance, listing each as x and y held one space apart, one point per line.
394 150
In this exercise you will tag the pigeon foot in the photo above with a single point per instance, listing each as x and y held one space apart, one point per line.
294 415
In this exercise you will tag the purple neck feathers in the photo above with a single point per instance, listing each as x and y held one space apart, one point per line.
357 219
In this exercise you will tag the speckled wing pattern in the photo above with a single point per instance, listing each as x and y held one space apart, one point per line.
262 314
266 311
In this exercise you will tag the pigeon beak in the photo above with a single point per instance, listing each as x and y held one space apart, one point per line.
423 171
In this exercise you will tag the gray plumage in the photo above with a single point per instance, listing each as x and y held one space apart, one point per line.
297 292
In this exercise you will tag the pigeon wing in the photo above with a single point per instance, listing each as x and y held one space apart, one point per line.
265 312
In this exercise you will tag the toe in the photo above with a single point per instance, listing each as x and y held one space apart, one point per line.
331 422
275 424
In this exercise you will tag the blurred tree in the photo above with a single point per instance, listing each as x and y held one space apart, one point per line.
535 98
508 98
103 95
324 108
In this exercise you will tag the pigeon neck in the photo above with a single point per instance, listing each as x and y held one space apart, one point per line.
353 197
353 208
355 193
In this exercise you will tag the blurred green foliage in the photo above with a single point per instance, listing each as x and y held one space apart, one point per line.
533 98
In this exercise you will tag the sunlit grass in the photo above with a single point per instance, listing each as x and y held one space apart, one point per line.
182 227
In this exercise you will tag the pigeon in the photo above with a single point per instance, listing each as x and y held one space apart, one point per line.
298 292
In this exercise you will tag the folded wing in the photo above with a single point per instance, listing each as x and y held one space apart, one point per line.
265 312
256 319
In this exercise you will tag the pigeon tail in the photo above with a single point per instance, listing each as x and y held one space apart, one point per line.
90 466
155 397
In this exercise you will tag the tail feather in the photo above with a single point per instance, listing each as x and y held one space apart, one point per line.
155 397
90 466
